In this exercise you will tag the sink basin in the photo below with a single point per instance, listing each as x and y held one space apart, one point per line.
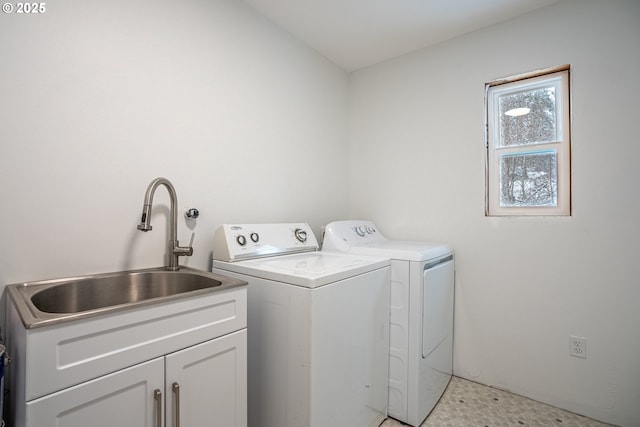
52 301
98 292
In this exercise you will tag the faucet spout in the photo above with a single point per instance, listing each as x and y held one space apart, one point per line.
145 221
174 249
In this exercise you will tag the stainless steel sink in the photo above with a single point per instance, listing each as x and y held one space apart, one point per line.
53 301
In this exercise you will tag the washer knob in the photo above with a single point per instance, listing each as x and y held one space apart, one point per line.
241 240
300 234
254 237
360 230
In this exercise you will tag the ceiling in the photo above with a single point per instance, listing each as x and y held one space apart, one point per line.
358 33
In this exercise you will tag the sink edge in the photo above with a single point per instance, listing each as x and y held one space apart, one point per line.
20 294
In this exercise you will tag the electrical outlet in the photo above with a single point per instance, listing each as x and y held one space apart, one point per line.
578 346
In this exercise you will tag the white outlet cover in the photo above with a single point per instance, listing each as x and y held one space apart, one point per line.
578 346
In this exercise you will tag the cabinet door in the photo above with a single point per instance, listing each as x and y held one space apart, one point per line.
124 398
211 380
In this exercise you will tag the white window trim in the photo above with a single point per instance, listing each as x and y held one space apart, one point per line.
562 146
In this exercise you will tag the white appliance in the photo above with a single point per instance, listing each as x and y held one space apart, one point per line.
318 327
422 290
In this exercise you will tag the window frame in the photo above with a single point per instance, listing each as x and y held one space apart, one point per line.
562 144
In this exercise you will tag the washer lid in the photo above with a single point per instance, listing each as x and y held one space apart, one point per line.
309 270
402 250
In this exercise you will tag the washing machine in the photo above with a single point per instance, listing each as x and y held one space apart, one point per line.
318 327
421 313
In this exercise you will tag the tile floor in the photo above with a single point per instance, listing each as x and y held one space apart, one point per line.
469 404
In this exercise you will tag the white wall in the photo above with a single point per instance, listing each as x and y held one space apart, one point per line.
523 284
97 98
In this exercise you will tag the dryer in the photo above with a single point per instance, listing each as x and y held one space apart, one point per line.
421 313
318 327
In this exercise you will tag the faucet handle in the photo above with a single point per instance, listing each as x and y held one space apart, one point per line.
183 250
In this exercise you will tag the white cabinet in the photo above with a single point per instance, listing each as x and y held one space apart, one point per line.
211 380
105 370
203 385
124 398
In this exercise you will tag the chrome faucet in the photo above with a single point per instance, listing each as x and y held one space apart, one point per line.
174 249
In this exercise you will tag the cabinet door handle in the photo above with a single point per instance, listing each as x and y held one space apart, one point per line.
157 396
176 391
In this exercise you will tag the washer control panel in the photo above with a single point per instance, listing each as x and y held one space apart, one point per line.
236 242
340 235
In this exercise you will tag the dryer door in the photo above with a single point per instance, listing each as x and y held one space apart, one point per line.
437 308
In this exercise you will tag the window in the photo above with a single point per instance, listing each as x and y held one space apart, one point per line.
528 145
